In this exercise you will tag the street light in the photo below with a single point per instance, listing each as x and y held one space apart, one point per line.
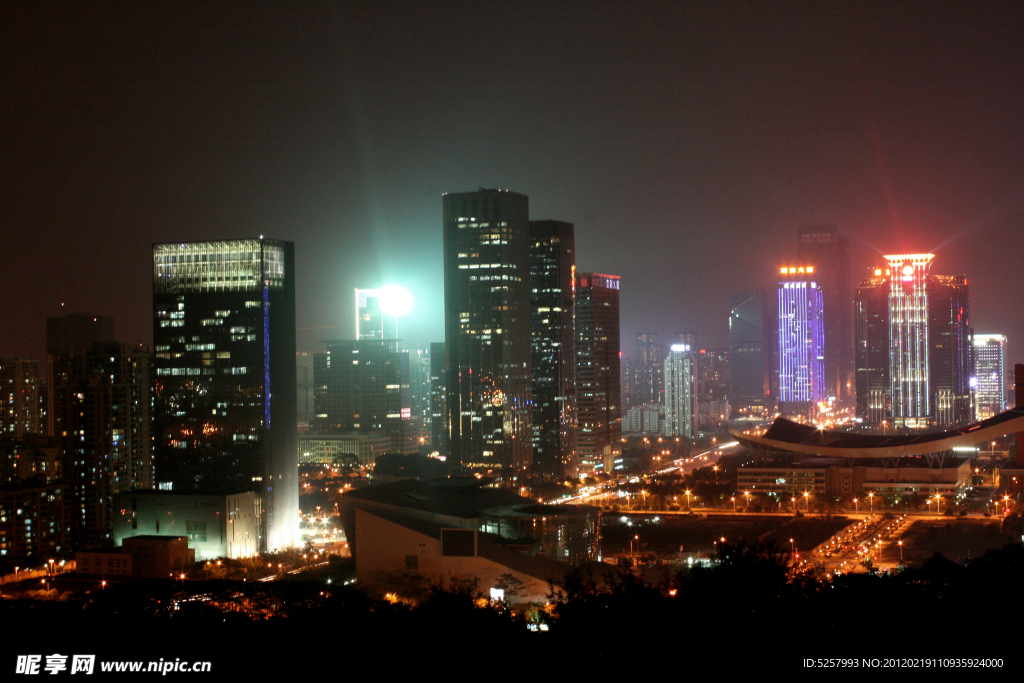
856 508
734 503
871 499
687 499
807 498
900 543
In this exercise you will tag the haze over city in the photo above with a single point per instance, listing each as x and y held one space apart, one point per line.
686 142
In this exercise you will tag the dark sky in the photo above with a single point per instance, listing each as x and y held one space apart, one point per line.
686 141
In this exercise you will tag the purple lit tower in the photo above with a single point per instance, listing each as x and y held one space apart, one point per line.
801 341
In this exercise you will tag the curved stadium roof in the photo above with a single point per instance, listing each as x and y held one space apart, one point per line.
785 435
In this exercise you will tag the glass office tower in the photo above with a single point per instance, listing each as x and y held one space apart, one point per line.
598 383
552 329
224 397
989 375
487 332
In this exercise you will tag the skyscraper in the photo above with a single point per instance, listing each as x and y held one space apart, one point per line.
102 398
922 320
64 334
552 332
871 311
487 332
225 403
750 355
597 371
989 375
801 341
681 392
829 251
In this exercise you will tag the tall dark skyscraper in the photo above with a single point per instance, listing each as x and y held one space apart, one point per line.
829 251
597 371
64 334
871 314
225 400
553 330
750 344
77 330
102 401
487 332
913 345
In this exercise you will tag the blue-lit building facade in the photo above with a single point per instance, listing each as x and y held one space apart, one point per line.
801 328
224 395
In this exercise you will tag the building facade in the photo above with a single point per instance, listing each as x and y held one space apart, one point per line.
225 401
597 371
363 380
801 339
553 340
487 332
823 246
913 345
439 421
681 392
22 397
750 353
103 414
989 375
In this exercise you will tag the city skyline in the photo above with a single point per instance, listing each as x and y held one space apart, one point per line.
852 115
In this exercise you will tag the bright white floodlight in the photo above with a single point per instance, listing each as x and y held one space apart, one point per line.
395 301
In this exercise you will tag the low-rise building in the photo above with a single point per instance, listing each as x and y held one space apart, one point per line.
457 527
214 526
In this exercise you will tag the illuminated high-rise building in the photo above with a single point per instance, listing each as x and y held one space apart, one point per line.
597 371
487 332
801 339
363 390
439 420
829 251
22 400
922 320
989 375
225 400
680 372
552 330
102 398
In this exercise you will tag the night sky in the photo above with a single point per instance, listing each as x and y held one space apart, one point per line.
686 141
